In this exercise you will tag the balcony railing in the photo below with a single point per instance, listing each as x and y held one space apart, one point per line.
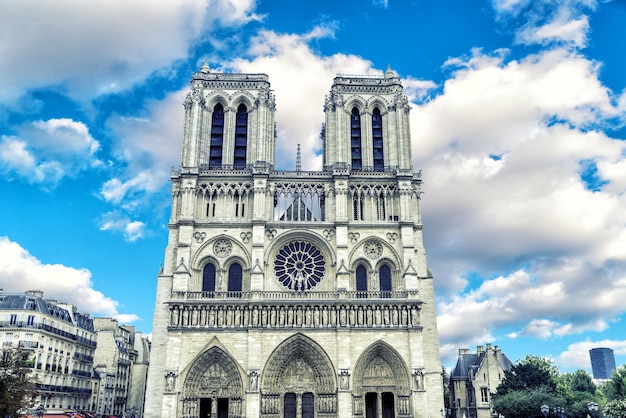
305 295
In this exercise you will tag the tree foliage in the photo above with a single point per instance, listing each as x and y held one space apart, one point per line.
615 409
615 388
529 384
531 373
16 384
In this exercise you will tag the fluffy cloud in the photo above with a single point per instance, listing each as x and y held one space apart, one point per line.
116 222
147 147
19 270
70 43
560 22
578 353
288 59
509 149
44 152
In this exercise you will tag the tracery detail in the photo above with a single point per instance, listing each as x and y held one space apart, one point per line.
299 266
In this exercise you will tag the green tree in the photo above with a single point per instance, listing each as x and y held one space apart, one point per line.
530 383
615 388
577 390
532 372
525 403
16 384
615 409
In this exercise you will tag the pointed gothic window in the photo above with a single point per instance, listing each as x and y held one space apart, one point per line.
241 137
208 278
385 281
361 282
234 279
217 137
377 138
355 139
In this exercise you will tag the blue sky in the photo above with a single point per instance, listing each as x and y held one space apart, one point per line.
517 125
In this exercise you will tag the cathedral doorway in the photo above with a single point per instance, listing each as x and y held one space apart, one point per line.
214 408
213 387
299 381
381 383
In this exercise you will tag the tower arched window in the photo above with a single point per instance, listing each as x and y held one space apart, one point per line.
217 137
241 137
361 281
208 278
377 140
384 275
235 274
355 139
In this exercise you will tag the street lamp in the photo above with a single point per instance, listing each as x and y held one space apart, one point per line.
593 409
40 411
545 410
559 411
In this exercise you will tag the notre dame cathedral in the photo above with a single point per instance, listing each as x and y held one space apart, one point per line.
295 293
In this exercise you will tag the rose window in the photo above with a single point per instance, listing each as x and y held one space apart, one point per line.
299 265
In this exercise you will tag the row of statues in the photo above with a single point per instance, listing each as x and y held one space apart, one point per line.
281 316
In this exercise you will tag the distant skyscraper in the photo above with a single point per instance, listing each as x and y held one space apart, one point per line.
602 362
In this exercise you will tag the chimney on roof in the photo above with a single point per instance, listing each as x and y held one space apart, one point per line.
463 351
488 346
480 349
36 293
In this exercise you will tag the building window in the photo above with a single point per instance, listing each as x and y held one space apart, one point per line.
484 395
299 266
208 278
385 281
234 279
217 137
30 320
381 210
241 137
13 319
361 282
377 140
355 139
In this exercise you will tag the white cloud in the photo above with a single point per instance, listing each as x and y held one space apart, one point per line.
147 147
44 152
288 59
560 22
116 222
577 354
71 45
20 270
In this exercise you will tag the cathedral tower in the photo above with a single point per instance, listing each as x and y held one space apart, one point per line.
295 294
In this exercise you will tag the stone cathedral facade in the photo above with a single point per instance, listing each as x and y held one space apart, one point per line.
295 293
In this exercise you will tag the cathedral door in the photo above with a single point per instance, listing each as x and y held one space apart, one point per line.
205 407
222 408
388 406
371 409
290 406
308 405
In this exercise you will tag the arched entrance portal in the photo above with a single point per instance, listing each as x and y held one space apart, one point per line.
213 387
381 384
299 381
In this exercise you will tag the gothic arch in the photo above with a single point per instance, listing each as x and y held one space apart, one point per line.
243 97
388 253
298 354
381 369
216 97
381 103
212 374
205 254
355 101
